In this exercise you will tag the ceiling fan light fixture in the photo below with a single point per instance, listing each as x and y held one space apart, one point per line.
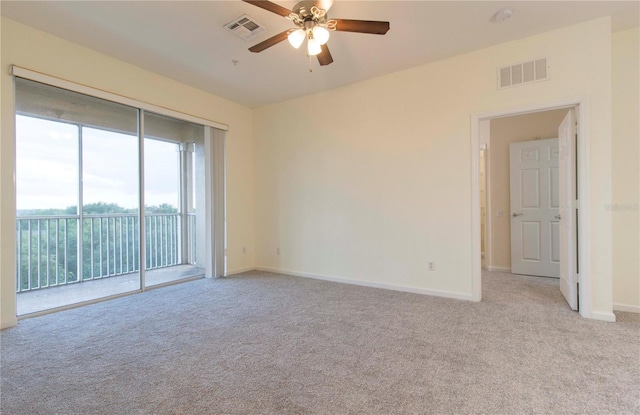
320 34
296 38
311 22
313 47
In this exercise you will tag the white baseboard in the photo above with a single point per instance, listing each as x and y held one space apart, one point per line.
394 287
627 308
499 269
239 271
5 324
603 316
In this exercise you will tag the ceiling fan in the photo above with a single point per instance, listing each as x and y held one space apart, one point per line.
312 24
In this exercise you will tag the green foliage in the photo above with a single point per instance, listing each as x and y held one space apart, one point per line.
163 208
102 208
99 208
46 252
48 248
46 212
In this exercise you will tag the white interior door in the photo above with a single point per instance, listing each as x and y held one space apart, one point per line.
568 204
535 230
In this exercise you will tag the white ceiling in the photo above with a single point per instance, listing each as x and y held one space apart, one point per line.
186 40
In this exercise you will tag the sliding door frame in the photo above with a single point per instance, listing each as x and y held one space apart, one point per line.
142 226
215 192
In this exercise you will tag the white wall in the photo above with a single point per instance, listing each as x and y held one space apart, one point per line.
38 51
626 171
506 130
370 181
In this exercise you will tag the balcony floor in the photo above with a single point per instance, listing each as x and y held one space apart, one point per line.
64 295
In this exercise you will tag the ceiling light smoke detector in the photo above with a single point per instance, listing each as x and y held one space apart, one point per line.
503 15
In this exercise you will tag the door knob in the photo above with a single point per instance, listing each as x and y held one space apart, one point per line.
515 215
558 217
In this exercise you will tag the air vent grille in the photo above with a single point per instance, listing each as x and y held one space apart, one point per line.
523 73
245 27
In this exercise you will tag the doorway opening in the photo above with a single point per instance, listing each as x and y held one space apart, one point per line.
493 214
522 152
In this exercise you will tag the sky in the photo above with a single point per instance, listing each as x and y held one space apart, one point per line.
47 167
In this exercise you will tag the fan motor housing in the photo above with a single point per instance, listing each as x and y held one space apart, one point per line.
303 9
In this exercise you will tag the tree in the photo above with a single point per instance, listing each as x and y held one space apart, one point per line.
48 247
163 208
100 208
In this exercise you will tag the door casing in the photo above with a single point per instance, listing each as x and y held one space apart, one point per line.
582 107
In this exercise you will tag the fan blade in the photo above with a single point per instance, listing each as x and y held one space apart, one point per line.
274 40
272 7
362 26
324 4
324 57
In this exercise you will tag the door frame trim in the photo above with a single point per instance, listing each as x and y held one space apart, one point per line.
581 105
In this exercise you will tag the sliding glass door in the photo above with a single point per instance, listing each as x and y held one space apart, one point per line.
81 232
170 215
76 182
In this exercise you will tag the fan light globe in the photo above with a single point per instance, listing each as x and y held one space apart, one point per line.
296 38
320 34
313 47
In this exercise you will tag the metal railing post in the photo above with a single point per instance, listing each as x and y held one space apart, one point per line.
162 233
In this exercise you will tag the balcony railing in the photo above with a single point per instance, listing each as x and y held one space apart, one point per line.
49 254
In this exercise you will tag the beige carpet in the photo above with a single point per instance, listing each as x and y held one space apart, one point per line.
262 343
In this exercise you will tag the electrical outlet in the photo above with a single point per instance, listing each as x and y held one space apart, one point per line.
500 213
278 251
244 249
431 266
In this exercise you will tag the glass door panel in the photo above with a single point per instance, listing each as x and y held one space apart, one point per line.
110 210
47 200
74 150
170 229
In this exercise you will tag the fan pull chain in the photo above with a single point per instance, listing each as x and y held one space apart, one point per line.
310 70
